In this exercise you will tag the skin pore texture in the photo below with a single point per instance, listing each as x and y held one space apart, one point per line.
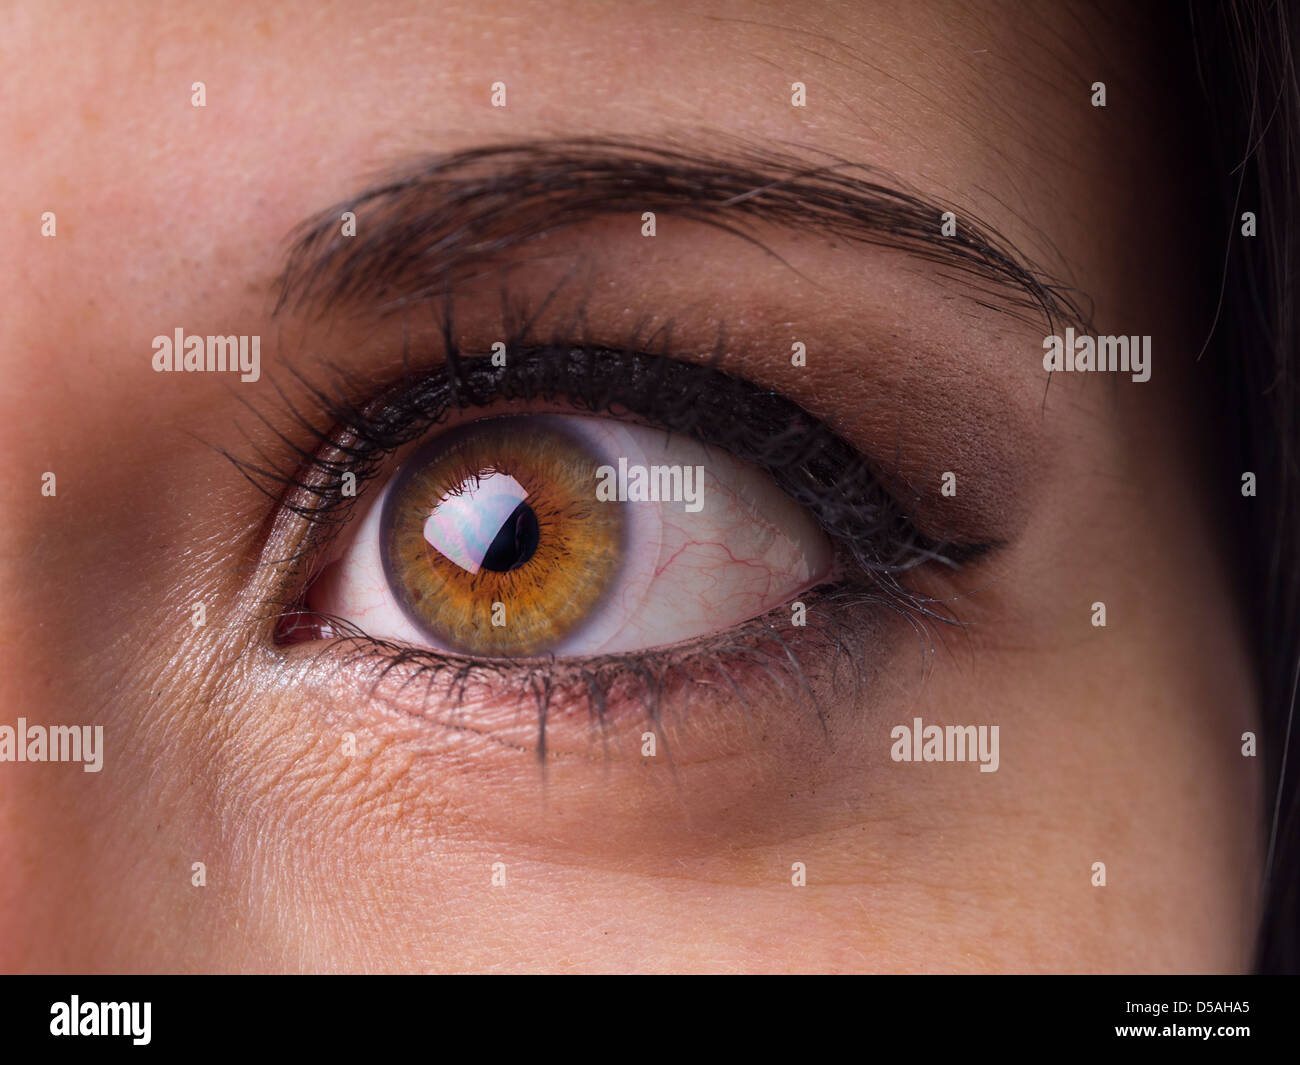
1119 744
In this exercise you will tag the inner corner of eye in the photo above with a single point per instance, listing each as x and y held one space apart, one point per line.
518 536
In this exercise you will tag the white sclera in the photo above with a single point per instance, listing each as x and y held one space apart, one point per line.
748 549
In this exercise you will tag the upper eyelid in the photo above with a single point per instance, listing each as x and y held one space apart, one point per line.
830 478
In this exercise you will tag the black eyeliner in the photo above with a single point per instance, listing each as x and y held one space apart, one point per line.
817 468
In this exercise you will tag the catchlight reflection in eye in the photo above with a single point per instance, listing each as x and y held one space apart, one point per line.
528 535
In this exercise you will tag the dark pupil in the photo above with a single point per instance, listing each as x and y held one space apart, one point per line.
514 543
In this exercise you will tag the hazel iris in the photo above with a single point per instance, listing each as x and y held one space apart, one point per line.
493 540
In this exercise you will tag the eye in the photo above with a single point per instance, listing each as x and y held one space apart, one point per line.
530 535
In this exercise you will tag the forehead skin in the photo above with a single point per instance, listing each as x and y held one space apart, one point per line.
1119 745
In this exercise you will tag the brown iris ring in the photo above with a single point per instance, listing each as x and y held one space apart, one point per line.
526 552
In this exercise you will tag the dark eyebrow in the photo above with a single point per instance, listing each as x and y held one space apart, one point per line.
425 225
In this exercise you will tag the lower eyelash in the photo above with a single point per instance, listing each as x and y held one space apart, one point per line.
606 692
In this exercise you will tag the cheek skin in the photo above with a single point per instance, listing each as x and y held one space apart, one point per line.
1119 745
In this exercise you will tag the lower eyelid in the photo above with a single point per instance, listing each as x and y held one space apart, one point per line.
549 707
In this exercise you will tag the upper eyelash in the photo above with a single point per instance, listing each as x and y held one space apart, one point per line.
812 464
